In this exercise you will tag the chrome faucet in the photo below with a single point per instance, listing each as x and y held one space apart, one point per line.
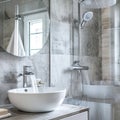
26 73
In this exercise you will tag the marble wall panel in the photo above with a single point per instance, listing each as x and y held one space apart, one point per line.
47 3
111 16
91 47
106 15
1 29
110 43
94 72
60 36
60 70
76 84
90 34
41 67
12 66
89 42
75 42
4 87
61 10
62 76
106 69
75 9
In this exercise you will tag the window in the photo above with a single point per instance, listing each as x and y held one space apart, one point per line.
34 33
36 36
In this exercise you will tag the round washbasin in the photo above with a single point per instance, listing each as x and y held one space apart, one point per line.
41 100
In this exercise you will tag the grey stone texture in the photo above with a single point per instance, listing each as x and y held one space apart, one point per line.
110 44
11 66
65 46
96 51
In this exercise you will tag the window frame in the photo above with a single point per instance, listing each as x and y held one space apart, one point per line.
27 20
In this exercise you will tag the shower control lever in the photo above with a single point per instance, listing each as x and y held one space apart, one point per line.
76 66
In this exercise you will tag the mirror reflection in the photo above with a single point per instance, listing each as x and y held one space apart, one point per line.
25 26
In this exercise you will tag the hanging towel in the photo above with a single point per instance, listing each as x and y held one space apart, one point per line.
15 45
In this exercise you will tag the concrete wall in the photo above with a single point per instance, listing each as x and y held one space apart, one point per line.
64 51
111 44
65 48
11 67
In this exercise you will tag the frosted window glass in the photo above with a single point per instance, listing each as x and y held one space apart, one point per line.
36 41
36 27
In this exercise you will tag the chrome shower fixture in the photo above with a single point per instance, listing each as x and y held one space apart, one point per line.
76 66
87 16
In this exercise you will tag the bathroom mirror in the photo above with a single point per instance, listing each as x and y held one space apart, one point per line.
25 26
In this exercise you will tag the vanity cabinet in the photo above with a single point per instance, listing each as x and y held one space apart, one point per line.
64 112
80 116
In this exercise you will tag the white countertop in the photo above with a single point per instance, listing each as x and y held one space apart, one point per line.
63 111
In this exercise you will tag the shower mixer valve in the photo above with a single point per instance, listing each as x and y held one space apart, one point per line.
76 66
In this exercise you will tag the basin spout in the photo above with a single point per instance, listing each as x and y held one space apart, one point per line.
26 75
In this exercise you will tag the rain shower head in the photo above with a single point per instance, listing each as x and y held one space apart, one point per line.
97 3
87 16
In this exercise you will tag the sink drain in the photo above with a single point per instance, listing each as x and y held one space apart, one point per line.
25 90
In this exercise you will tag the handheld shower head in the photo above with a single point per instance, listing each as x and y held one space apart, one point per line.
87 16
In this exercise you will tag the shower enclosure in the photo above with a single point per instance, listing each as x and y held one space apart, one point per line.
98 48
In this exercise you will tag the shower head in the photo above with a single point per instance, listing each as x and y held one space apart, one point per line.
87 16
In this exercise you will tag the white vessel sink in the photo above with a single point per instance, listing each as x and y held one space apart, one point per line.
44 100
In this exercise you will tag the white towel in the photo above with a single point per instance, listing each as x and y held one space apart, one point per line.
5 116
15 45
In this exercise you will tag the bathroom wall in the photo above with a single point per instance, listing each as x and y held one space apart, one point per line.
99 44
91 45
65 48
61 15
111 44
100 51
11 67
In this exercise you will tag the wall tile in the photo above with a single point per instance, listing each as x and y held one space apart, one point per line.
60 37
61 10
60 70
